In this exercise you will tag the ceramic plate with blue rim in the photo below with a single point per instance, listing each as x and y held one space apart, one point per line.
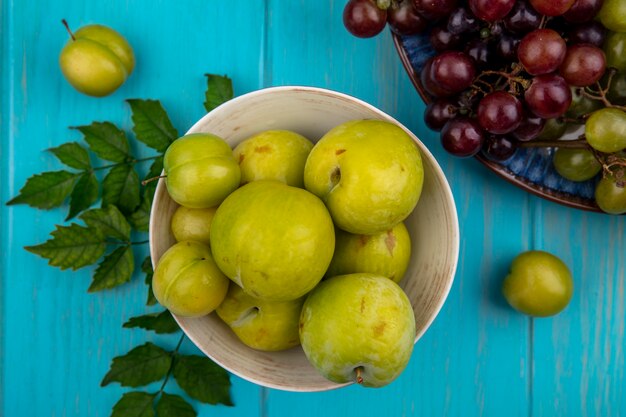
530 168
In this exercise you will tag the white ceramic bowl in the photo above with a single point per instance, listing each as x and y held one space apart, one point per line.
433 227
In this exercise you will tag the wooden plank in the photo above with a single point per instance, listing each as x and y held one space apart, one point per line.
579 354
58 340
474 359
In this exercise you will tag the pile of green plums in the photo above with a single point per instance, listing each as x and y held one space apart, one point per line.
294 243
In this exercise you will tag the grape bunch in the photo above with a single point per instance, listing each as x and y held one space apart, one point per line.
509 74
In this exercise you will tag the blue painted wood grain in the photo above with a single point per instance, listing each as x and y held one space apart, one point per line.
479 358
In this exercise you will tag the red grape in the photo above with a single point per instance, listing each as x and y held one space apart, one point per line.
462 137
434 9
363 18
404 20
448 73
549 96
507 47
462 20
583 65
530 128
499 148
438 112
583 11
541 51
499 112
442 40
522 19
591 32
491 10
479 51
552 7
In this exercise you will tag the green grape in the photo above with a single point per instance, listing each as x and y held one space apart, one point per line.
617 89
553 129
576 164
615 50
613 15
581 104
605 130
611 195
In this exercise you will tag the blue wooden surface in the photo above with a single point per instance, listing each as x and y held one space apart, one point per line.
478 358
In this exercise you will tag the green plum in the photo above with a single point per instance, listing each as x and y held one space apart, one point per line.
192 224
615 50
576 164
610 195
97 60
613 15
263 325
275 241
359 328
368 173
273 155
539 284
386 253
605 130
187 281
201 170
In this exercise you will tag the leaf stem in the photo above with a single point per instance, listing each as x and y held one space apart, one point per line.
134 161
169 371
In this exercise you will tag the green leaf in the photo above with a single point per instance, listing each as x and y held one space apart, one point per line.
71 246
120 188
134 404
174 406
151 124
73 155
140 218
106 140
115 269
85 193
202 379
46 190
109 221
142 365
219 90
146 268
160 323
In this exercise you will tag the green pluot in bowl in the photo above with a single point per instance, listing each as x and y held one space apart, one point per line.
358 328
200 170
273 155
263 325
368 173
192 224
275 241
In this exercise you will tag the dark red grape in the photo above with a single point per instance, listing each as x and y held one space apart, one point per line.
583 65
507 46
499 148
591 32
499 112
491 10
448 73
441 40
522 19
529 129
462 137
438 112
479 50
461 20
434 9
363 18
583 11
548 96
541 51
404 20
552 7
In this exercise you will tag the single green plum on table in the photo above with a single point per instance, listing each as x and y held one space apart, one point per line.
263 325
539 284
387 253
358 328
192 224
187 281
200 170
368 173
273 240
273 155
96 60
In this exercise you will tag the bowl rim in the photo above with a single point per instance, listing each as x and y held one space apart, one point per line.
559 197
446 190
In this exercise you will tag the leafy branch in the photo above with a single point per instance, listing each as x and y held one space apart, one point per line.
104 237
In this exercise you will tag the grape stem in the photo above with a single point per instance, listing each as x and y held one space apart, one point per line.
570 144
601 93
